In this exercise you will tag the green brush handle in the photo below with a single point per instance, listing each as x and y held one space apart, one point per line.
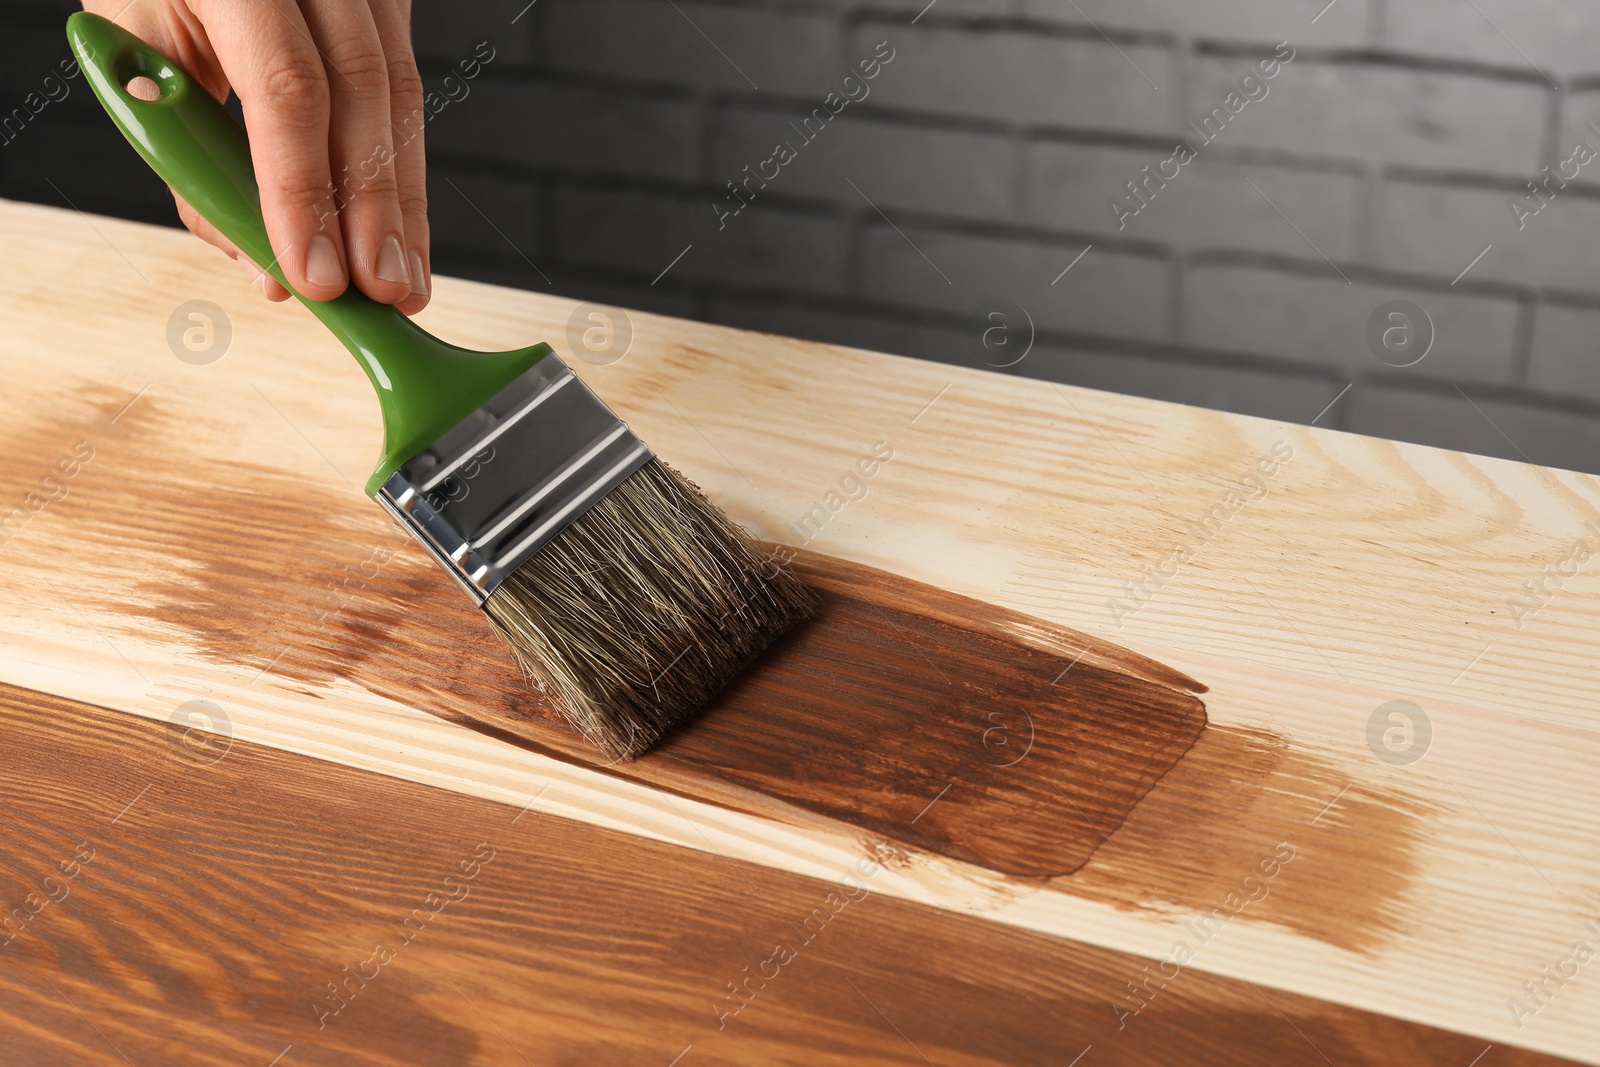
425 386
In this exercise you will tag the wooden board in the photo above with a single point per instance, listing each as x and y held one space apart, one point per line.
180 905
1224 608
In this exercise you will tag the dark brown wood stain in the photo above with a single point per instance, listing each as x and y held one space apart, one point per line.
224 897
903 711
934 728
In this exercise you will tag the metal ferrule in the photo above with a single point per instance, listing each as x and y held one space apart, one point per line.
512 475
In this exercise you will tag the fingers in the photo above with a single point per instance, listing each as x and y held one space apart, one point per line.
266 51
262 280
361 147
333 103
201 228
172 30
406 117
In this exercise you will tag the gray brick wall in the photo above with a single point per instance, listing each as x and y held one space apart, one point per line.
1564 344
1384 110
1377 165
1304 317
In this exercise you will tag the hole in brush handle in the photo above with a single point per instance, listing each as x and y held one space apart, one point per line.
142 88
147 77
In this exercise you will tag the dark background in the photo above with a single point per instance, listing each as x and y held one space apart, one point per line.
588 153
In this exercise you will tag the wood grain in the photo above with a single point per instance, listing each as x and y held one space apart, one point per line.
896 695
902 711
226 902
1363 572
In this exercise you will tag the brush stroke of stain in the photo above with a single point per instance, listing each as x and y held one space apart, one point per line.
1240 796
919 715
903 711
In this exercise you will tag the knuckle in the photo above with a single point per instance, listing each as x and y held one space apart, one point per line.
414 205
306 190
371 181
405 84
297 81
361 72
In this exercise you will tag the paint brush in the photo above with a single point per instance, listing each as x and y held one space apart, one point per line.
628 598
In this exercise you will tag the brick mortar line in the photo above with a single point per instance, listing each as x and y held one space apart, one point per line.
821 7
916 118
1203 47
841 38
776 101
1522 343
729 101
1493 392
1184 74
1550 135
1567 299
1166 351
556 76
1016 232
1029 25
682 191
707 137
1362 273
855 252
1177 297
538 33
1029 233
810 206
1019 190
1064 136
956 324
1488 183
1177 353
1026 232
1412 62
1377 27
790 7
544 207
1369 56
1369 209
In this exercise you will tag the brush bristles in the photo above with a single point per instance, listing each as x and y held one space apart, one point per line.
643 609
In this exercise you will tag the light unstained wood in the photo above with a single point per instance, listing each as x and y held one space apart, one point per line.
193 905
1369 571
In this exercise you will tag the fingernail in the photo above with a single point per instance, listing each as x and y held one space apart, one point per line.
322 263
392 262
419 276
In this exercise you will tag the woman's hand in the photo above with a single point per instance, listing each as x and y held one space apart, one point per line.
333 105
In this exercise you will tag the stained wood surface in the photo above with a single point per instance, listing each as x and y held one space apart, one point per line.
216 546
243 905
